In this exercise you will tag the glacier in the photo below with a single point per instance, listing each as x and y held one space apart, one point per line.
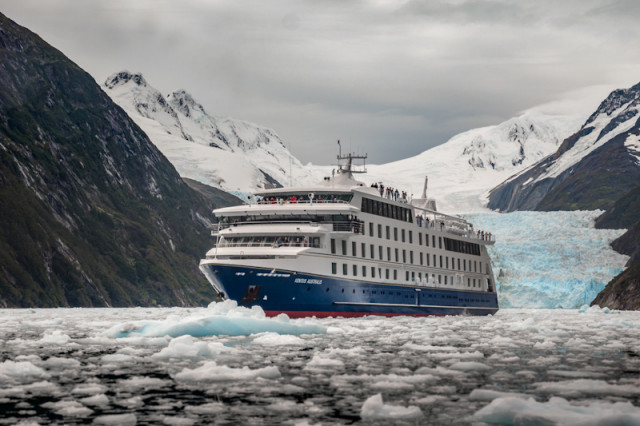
549 259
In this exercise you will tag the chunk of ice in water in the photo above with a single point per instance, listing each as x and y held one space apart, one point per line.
21 371
224 318
374 408
510 410
68 408
128 419
212 372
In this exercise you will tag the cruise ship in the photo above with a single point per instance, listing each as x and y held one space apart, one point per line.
342 248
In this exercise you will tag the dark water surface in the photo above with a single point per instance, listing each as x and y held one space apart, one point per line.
120 366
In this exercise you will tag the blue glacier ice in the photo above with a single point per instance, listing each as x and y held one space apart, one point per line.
549 259
224 318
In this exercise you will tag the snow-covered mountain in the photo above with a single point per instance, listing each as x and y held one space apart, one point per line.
230 154
590 170
241 157
462 170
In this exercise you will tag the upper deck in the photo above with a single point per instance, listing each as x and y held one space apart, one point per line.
343 202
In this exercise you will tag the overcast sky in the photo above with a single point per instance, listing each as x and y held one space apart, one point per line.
391 78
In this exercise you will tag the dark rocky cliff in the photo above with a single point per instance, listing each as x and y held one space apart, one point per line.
623 292
92 214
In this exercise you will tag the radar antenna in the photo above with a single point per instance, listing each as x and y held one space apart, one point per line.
348 167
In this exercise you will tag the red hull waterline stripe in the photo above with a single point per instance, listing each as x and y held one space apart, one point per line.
327 314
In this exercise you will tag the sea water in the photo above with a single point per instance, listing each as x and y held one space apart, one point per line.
230 365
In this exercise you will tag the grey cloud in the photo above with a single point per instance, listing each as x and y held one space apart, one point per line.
394 78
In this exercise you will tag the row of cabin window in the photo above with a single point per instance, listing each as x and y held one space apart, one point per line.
449 243
462 264
380 208
409 275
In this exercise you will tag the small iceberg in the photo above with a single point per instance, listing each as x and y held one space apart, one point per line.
223 318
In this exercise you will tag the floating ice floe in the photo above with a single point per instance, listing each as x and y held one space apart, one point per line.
178 421
210 371
20 372
89 389
186 347
99 400
142 383
224 318
375 409
56 337
116 420
319 362
594 309
275 339
517 411
209 408
490 395
57 363
68 408
588 387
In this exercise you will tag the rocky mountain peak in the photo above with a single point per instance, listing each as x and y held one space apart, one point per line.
616 100
124 77
183 102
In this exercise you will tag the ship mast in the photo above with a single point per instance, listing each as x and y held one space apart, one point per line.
347 168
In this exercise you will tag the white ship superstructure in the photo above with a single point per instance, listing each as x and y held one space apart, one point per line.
343 248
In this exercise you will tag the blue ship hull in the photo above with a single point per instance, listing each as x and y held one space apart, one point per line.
304 295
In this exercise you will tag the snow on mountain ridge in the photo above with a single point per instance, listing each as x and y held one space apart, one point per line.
462 170
147 101
231 154
615 115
